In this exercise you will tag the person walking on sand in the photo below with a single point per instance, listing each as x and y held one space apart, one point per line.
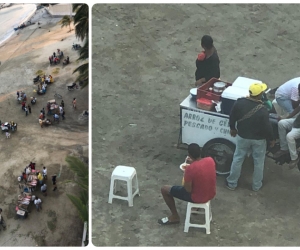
62 103
26 110
45 173
54 182
63 114
74 103
38 203
44 189
29 108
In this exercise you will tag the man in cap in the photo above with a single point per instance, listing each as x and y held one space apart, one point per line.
249 122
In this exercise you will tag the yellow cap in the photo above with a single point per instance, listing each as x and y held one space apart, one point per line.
257 88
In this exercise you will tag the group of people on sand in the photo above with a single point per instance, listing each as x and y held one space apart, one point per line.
21 96
42 86
42 178
56 115
249 123
56 57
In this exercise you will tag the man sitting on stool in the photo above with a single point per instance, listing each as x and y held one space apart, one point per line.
199 184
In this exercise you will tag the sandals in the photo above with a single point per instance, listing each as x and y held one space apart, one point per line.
165 221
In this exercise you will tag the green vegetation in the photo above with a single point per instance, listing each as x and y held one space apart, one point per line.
81 23
82 180
66 21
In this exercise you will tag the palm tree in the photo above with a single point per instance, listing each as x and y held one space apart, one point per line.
66 21
81 23
83 69
82 173
81 20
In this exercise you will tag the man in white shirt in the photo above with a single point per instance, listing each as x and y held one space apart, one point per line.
38 203
287 95
45 173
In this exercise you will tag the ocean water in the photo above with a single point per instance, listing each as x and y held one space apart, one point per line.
11 17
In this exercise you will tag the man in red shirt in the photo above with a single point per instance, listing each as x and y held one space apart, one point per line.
199 184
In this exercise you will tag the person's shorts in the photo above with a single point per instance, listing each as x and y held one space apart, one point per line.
180 193
54 182
44 191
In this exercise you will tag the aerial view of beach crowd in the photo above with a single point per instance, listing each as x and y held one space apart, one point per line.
44 122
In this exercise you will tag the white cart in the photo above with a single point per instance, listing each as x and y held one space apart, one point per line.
210 130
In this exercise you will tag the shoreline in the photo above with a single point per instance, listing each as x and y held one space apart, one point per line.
14 32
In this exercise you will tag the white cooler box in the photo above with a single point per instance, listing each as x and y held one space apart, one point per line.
243 82
229 96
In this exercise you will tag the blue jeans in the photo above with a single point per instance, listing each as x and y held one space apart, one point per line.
258 149
285 103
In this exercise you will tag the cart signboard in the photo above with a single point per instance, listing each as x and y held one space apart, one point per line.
200 126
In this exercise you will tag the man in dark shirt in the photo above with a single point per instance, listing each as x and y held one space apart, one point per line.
287 139
207 63
249 120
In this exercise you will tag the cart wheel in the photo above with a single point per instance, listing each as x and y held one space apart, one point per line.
221 150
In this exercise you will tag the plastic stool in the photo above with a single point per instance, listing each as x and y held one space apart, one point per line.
127 174
208 216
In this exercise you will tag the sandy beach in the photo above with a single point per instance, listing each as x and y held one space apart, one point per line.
22 56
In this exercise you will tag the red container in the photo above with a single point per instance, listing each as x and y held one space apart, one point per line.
203 90
205 104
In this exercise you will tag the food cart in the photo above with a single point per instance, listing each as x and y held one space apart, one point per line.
53 107
27 186
208 127
23 204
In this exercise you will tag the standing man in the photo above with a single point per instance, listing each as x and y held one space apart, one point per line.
199 184
44 173
207 62
54 182
2 222
61 111
40 178
44 189
74 103
38 203
26 110
249 121
29 108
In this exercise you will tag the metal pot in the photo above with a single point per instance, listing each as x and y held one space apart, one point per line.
219 87
193 93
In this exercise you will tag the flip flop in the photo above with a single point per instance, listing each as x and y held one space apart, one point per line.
165 221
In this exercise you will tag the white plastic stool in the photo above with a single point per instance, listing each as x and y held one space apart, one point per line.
125 174
208 216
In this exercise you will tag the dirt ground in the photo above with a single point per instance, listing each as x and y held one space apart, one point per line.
143 67
58 223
